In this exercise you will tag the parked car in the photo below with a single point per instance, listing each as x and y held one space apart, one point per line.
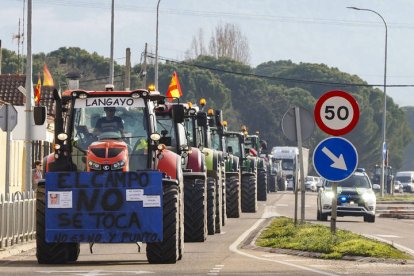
311 183
355 197
407 180
398 186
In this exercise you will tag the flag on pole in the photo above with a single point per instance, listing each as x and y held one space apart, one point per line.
47 77
37 91
174 89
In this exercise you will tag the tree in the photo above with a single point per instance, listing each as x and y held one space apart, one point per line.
226 41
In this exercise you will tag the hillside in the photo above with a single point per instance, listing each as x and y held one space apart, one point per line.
257 97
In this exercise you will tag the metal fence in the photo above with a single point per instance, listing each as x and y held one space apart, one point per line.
17 218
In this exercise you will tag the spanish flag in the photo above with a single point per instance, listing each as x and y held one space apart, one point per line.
47 77
174 89
37 91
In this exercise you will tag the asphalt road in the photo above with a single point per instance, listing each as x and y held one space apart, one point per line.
231 252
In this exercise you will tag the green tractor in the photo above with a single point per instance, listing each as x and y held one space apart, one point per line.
219 141
198 133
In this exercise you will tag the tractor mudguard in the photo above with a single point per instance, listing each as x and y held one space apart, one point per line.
196 161
170 163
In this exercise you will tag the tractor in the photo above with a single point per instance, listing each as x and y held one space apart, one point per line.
109 182
198 132
199 215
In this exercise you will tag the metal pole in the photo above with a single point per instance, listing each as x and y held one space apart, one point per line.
144 79
128 70
7 187
334 207
29 95
111 64
384 116
156 49
301 174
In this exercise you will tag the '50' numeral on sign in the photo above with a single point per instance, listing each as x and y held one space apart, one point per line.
342 112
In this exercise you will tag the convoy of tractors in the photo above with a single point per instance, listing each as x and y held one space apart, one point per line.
165 173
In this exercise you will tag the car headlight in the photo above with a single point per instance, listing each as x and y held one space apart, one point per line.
368 197
329 194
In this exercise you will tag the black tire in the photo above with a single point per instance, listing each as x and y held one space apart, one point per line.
318 215
324 217
50 253
272 183
248 194
169 250
233 204
369 218
281 184
261 185
219 207
195 210
223 196
211 205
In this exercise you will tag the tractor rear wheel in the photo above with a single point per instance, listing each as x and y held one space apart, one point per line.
169 250
249 197
261 185
195 210
211 205
233 205
219 201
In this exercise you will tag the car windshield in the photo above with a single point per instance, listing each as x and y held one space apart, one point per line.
355 181
403 179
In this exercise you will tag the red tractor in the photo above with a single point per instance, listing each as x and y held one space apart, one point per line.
109 179
198 214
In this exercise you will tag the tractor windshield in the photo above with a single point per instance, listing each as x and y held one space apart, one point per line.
233 145
121 124
215 140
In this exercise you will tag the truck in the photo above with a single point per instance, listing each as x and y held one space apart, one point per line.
388 177
289 157
119 185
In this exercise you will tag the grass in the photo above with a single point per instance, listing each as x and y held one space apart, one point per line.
282 233
396 197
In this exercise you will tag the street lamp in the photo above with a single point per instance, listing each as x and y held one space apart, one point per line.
156 49
384 118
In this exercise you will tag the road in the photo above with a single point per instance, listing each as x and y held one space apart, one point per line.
229 253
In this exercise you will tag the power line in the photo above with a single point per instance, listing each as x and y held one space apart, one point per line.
278 78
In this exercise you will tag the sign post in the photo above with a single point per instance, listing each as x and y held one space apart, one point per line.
8 121
336 113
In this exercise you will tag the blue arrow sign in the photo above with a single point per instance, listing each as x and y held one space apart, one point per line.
335 159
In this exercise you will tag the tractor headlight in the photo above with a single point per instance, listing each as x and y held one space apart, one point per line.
118 165
94 166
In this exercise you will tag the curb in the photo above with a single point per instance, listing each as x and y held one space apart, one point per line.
17 249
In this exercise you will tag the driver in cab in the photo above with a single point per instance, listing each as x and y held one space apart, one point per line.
109 123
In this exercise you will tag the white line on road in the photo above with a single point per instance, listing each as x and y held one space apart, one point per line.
387 236
234 247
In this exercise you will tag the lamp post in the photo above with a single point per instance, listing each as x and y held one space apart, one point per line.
384 118
156 49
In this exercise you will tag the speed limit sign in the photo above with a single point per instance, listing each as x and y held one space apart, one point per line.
336 112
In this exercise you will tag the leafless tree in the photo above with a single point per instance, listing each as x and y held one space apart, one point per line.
226 41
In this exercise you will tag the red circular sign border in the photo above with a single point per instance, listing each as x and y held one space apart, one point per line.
328 95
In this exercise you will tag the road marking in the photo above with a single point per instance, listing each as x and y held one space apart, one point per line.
94 272
234 248
282 205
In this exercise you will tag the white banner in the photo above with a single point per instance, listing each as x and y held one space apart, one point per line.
109 102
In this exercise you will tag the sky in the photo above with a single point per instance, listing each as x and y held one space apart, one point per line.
309 31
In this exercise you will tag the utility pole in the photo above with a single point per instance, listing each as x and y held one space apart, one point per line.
128 70
111 64
144 73
29 93
1 51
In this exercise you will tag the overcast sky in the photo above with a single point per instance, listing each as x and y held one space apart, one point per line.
315 31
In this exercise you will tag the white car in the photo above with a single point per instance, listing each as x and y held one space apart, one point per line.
311 183
355 197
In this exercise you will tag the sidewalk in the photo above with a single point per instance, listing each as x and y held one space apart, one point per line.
17 249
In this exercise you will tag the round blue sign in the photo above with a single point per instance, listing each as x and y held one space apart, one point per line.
335 159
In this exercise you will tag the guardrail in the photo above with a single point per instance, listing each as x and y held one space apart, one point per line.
17 218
